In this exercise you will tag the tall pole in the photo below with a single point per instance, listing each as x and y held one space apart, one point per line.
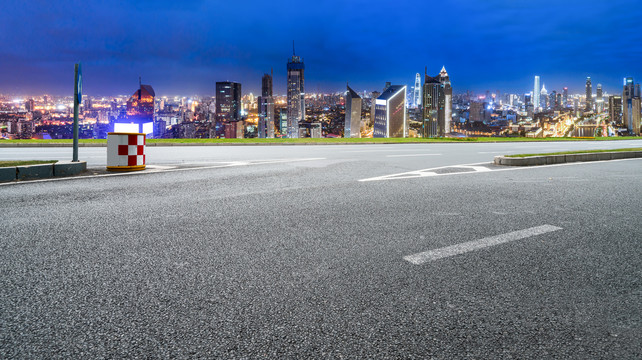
77 95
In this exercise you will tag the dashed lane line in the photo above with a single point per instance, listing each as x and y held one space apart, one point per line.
448 251
407 155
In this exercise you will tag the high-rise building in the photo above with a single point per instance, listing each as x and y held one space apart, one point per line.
432 106
599 99
296 94
417 91
228 108
373 101
448 101
536 92
266 108
228 101
635 118
615 109
552 99
628 93
139 114
390 113
565 104
437 105
543 96
353 114
589 94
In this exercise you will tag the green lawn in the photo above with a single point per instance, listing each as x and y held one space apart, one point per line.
575 152
329 140
26 162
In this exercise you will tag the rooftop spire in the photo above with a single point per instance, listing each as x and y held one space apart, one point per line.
293 52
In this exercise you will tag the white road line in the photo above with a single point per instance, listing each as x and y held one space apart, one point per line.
405 155
462 248
154 171
384 150
428 173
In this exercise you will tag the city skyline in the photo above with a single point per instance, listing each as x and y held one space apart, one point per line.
186 48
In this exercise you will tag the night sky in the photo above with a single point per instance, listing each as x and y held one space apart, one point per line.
184 47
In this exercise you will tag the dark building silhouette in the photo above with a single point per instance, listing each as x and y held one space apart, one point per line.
266 108
139 113
228 108
615 109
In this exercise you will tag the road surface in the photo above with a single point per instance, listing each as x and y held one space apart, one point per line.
355 251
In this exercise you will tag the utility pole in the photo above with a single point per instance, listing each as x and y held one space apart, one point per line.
77 99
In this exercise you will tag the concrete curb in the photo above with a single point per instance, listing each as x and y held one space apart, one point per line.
31 172
42 171
567 158
69 168
8 173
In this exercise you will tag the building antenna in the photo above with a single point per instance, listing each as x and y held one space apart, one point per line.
272 72
293 53
426 71
140 83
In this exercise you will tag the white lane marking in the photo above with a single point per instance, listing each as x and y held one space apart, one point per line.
384 150
431 255
405 155
155 171
428 173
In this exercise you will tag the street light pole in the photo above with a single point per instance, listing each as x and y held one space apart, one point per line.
77 98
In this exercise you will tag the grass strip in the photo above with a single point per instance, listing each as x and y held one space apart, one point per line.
330 140
26 162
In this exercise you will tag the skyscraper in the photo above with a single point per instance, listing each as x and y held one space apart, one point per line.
635 118
296 94
627 103
373 101
615 109
448 101
417 91
437 105
390 113
266 108
543 96
589 94
228 108
433 91
599 99
536 91
353 114
565 104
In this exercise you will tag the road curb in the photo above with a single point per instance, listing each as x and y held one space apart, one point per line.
566 158
42 171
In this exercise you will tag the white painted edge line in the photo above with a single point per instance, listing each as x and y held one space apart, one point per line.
426 172
406 155
154 171
448 251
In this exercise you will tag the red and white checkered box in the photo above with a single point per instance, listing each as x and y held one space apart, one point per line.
125 151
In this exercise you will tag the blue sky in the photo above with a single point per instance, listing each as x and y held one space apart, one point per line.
184 47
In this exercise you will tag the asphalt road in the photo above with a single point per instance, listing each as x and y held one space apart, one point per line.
282 252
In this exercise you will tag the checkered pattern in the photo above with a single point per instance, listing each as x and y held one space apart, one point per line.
125 150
